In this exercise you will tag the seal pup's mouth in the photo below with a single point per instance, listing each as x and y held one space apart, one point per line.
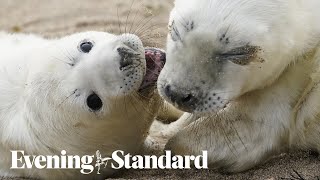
155 61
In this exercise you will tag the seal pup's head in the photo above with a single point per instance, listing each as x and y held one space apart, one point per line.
218 50
89 91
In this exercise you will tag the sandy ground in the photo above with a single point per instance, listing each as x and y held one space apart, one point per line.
148 19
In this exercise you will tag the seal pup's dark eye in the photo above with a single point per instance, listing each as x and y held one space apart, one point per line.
86 46
94 102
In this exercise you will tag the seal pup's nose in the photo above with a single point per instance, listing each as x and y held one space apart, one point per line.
185 101
133 42
131 49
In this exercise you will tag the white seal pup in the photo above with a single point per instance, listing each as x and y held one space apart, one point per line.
249 70
81 93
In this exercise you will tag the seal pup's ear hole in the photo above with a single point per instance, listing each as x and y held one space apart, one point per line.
85 46
94 102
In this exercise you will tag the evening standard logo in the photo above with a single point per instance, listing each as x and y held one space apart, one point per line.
118 160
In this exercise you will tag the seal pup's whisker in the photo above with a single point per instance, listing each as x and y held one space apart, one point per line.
119 23
133 21
73 93
68 63
148 30
125 30
139 27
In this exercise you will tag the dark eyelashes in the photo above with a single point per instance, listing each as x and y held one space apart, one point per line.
242 55
241 51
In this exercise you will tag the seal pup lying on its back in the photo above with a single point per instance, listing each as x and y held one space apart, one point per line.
81 93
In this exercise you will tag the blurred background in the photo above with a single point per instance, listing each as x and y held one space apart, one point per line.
54 18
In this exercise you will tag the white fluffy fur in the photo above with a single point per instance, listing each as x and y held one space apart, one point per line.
273 103
43 99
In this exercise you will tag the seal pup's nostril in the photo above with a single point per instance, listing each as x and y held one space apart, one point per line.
126 57
189 98
125 62
184 101
167 90
173 96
